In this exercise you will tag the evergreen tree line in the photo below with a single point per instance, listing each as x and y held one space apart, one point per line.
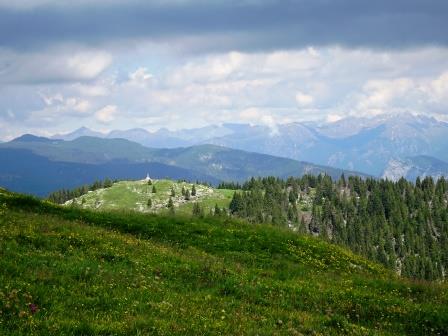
64 195
402 225
229 185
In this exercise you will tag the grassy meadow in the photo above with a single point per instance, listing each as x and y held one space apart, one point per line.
134 195
70 271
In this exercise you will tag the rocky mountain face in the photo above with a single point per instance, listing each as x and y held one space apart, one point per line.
413 167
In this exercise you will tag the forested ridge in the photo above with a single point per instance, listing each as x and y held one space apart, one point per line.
401 224
64 195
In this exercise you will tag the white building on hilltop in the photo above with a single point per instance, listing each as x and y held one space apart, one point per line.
147 178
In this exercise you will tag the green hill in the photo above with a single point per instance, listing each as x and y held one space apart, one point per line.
134 195
67 271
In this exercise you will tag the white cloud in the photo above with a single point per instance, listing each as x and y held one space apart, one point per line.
88 64
260 88
378 95
54 99
304 99
69 104
57 108
256 116
331 118
106 114
60 65
92 90
140 77
208 69
438 88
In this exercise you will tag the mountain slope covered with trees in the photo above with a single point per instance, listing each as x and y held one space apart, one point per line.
400 224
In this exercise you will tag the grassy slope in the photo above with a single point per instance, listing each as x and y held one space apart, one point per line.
128 273
134 195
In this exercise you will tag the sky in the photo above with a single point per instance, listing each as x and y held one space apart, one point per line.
109 64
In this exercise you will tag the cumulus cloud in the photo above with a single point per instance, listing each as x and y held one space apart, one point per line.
331 118
417 95
140 77
106 114
95 90
304 99
266 88
260 116
52 66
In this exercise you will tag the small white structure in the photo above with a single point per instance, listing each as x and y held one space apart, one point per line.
147 178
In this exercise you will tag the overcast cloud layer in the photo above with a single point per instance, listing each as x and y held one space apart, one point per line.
227 25
114 64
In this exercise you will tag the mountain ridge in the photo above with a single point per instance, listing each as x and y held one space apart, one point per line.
353 143
209 163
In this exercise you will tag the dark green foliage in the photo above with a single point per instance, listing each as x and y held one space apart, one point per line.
197 210
193 190
173 192
229 185
154 190
170 206
64 195
217 211
149 203
402 225
187 195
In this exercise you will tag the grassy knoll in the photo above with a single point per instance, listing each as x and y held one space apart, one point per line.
68 271
134 195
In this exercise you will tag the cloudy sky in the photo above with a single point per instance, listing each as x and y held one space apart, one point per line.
110 64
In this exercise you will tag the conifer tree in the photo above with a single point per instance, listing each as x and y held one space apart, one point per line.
217 211
197 210
170 206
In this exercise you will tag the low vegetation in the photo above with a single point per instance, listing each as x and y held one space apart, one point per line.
69 271
153 196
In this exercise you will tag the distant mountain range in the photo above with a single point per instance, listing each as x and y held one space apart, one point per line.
39 165
412 167
360 144
23 171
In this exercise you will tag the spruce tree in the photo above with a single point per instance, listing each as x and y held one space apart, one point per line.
170 206
217 211
197 210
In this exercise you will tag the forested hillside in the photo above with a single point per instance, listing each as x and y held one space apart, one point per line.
400 224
